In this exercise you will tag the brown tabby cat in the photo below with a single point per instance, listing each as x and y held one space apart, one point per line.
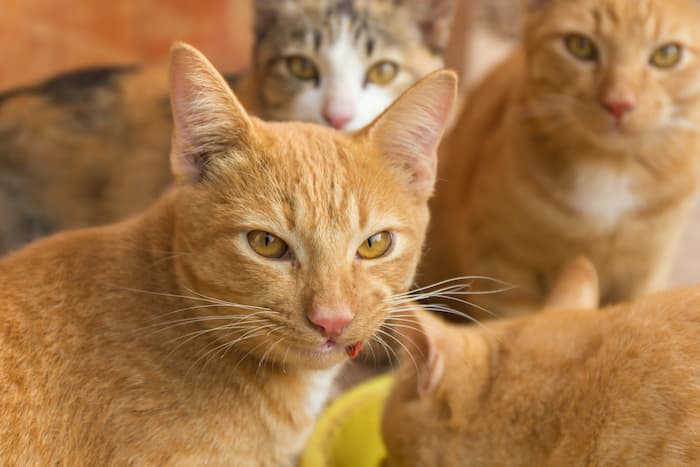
91 147
563 387
207 330
586 141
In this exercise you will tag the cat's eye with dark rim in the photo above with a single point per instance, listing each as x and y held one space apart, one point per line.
382 73
302 68
666 56
266 244
581 47
375 246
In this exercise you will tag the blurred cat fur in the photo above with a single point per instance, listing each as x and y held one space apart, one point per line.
567 386
208 329
90 147
586 141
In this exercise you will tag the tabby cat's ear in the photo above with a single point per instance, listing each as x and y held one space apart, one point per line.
434 18
409 131
576 286
209 120
267 13
425 339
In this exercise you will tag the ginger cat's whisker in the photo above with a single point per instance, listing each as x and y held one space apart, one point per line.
239 319
384 333
408 340
224 327
264 356
192 336
446 281
393 325
384 346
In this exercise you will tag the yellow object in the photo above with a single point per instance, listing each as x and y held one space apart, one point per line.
348 433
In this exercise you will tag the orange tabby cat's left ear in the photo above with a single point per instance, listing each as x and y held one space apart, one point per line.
209 120
409 131
423 342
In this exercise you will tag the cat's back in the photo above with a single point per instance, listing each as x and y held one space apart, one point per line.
638 386
83 148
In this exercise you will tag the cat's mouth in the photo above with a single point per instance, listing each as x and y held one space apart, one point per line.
352 350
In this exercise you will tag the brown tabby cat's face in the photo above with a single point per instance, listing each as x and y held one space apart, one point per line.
342 62
615 70
304 231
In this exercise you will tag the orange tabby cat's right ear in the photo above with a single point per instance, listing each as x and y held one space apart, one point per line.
424 339
576 286
209 120
409 131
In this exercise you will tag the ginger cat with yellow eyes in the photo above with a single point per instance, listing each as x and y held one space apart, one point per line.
586 141
568 386
207 330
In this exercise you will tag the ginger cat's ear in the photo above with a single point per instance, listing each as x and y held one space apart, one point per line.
209 120
425 340
409 131
576 286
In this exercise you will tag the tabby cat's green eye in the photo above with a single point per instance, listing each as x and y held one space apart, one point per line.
382 73
666 56
581 47
302 68
267 245
375 246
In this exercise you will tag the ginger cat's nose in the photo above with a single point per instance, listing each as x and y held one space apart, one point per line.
619 107
331 322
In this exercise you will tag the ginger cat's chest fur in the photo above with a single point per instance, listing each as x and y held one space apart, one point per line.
540 168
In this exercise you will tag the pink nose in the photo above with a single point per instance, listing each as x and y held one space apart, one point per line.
337 120
330 323
618 108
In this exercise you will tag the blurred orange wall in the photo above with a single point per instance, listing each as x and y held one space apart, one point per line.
39 38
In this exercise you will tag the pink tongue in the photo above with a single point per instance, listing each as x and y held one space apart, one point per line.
354 350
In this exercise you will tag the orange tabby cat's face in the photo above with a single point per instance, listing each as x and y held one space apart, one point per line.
309 228
615 70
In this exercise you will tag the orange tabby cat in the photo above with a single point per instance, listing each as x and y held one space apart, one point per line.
563 387
586 141
208 329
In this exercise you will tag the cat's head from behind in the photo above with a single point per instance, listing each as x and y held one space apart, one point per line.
307 228
473 395
342 62
615 71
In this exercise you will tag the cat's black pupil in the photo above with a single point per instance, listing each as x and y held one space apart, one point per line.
369 242
268 239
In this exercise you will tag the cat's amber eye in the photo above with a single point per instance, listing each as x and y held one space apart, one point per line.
382 73
375 246
666 56
302 68
581 47
267 245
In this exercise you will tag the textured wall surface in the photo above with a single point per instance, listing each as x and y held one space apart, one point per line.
41 37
